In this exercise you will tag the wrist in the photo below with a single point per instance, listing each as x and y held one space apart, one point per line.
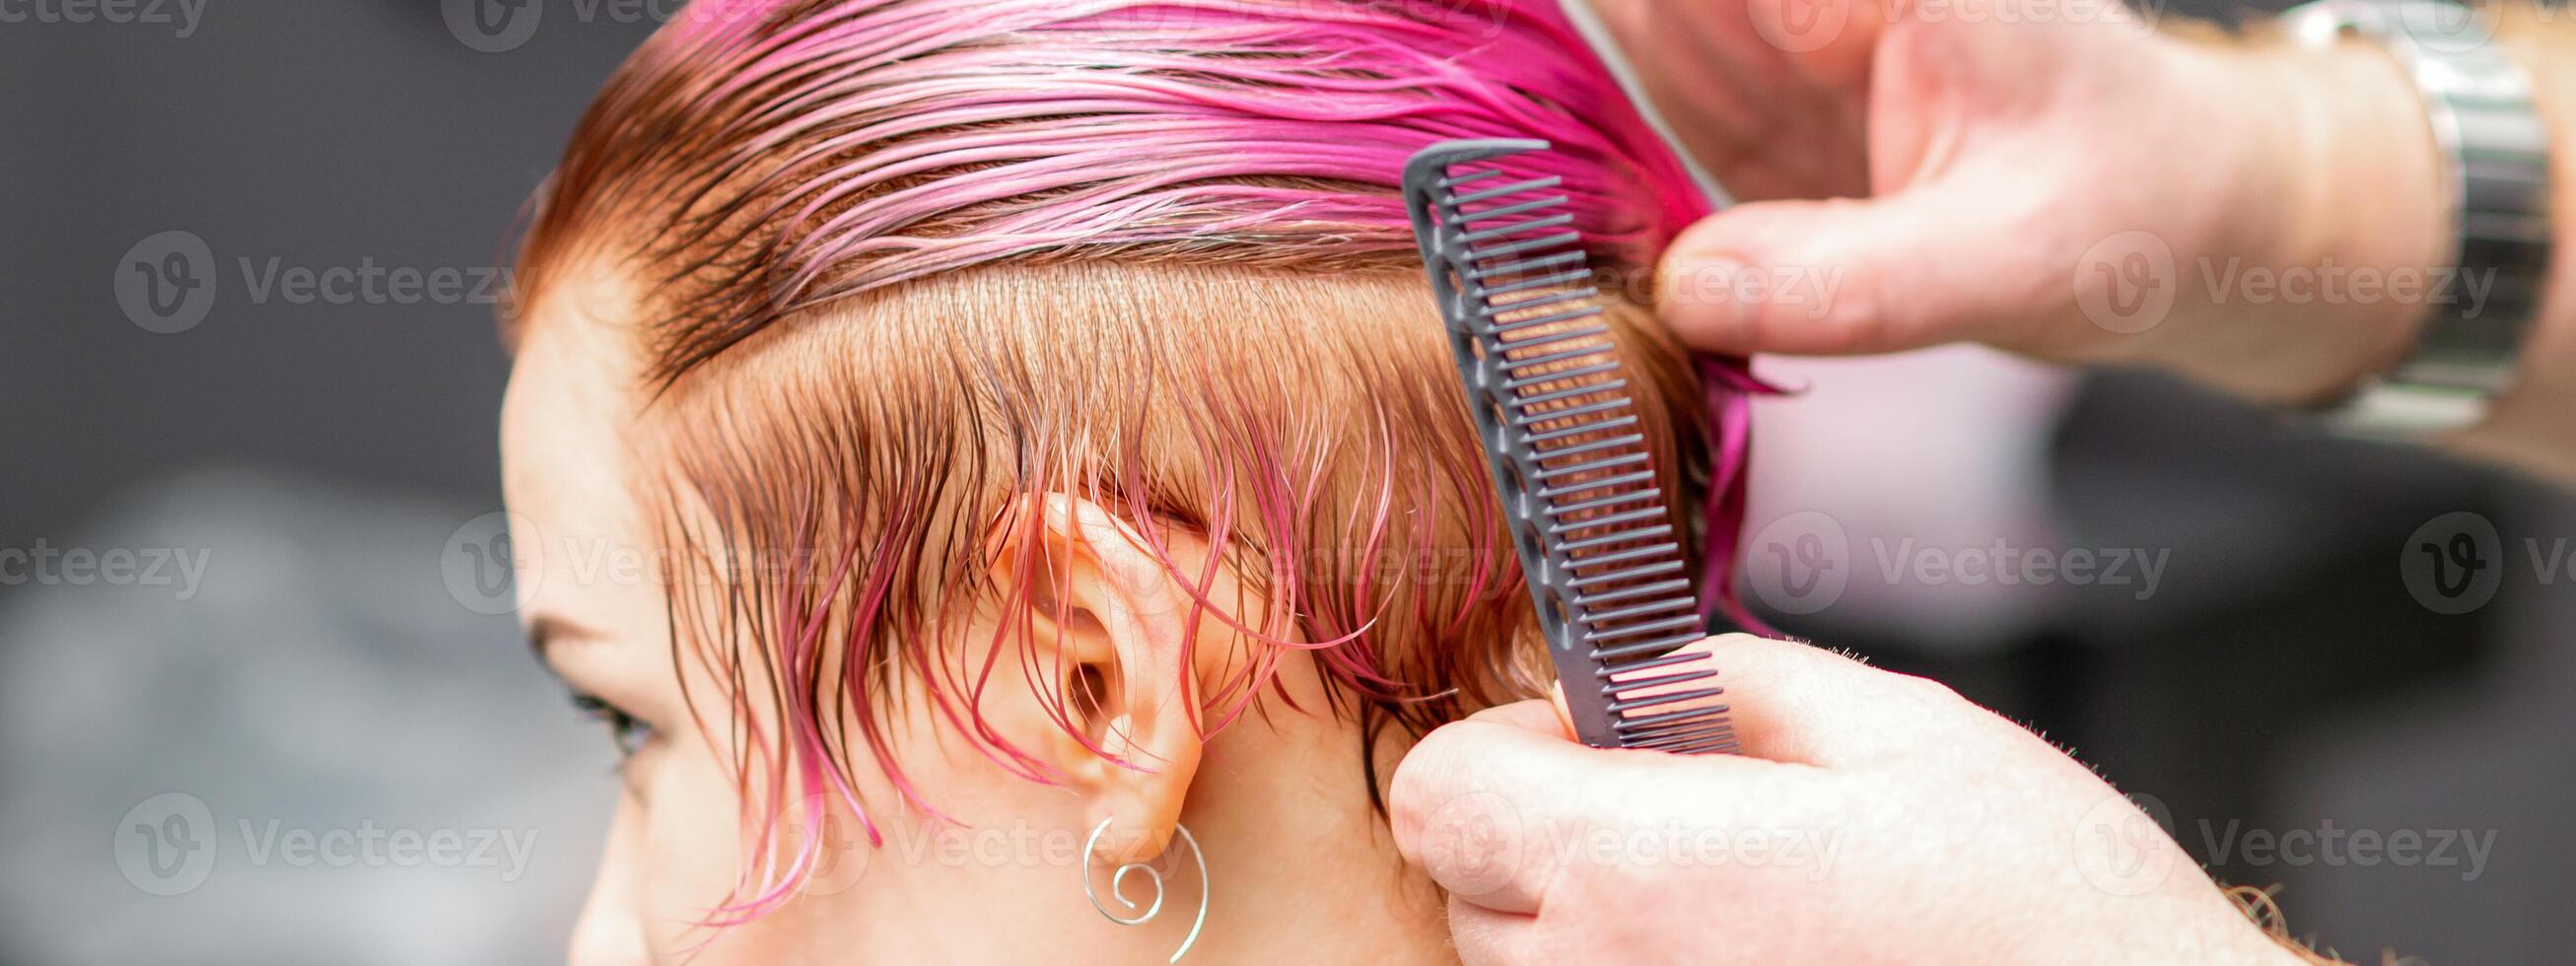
2360 178
2532 422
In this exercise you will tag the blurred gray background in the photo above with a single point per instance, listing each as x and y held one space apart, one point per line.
321 676
333 668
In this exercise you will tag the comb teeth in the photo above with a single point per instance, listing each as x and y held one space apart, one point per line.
1578 486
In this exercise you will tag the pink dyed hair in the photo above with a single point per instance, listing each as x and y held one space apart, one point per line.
764 160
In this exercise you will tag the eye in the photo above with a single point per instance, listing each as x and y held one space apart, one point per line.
628 731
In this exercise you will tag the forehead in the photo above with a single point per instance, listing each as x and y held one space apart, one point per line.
572 400
574 360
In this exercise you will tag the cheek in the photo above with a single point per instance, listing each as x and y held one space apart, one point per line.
1002 882
691 831
680 854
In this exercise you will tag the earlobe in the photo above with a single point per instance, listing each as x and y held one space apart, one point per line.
1111 625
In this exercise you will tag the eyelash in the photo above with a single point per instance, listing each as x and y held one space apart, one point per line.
627 731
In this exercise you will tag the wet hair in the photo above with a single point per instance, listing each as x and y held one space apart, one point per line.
901 264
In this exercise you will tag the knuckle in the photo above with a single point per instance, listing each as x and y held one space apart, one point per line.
1786 657
1924 690
1741 645
1422 780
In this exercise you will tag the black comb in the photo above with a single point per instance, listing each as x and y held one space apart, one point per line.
1579 489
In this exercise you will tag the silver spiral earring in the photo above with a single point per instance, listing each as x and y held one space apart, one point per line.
1118 886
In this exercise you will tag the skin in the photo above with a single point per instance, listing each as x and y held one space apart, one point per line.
1874 818
1991 170
1275 804
1998 150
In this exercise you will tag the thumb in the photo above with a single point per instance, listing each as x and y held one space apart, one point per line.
1920 267
1490 806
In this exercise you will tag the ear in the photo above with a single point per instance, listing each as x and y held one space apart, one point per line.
1110 624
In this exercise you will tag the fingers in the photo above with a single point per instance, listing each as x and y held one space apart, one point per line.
1921 267
1814 707
1461 800
1789 702
1484 805
1485 937
1763 93
1801 704
1795 702
1489 805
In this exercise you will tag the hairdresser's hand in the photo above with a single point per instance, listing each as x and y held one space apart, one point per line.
1885 820
2052 177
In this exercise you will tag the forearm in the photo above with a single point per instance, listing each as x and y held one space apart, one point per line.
2347 153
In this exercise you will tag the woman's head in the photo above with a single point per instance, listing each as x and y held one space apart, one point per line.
1041 420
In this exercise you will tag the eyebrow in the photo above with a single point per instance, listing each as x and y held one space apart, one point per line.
547 629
